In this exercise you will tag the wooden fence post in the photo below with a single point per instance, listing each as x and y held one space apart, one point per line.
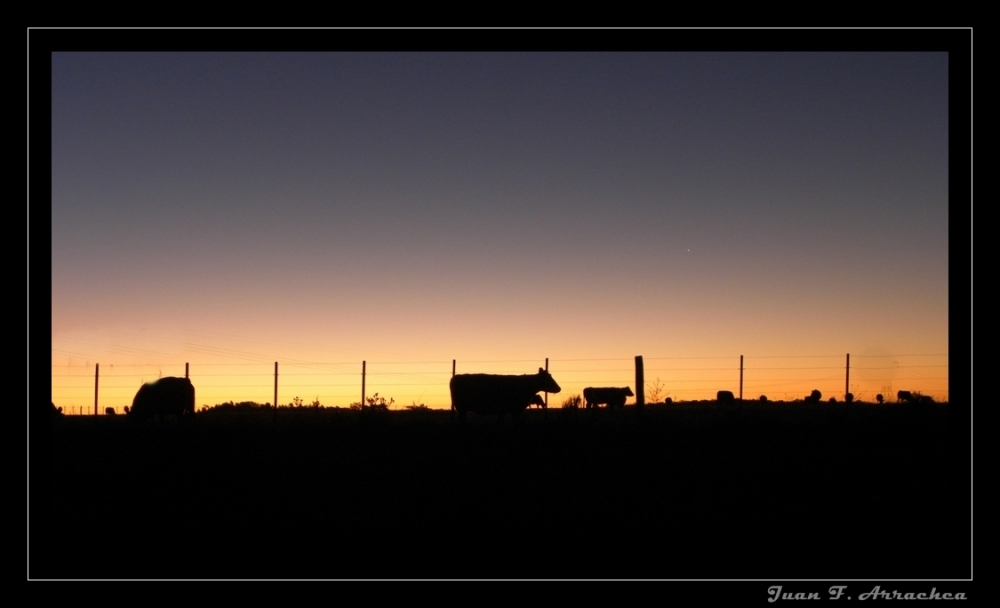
847 378
741 377
97 377
546 392
640 383
363 365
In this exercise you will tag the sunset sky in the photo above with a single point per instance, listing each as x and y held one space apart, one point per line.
231 210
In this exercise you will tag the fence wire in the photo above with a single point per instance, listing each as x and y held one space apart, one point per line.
412 383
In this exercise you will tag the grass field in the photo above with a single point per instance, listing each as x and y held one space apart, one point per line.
679 492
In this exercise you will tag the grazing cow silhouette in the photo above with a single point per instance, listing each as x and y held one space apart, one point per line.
537 400
109 411
165 397
612 396
904 397
495 394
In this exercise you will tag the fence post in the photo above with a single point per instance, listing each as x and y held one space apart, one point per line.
363 365
640 383
186 370
452 375
847 377
275 390
741 377
97 377
546 392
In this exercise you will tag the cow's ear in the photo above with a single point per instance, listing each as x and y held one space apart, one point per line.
541 370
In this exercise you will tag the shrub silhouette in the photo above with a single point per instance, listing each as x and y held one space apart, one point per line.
374 403
915 398
655 391
230 405
573 402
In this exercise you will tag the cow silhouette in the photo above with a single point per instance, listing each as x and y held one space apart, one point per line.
496 394
168 396
537 400
612 396
109 411
904 397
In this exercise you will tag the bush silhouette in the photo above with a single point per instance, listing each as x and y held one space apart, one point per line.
573 402
374 403
655 391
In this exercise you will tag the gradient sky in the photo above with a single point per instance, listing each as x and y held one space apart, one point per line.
319 209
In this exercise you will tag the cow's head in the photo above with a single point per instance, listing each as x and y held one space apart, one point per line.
548 384
628 392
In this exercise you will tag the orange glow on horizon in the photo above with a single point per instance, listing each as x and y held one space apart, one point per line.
426 382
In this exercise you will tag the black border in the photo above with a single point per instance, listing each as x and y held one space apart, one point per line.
957 42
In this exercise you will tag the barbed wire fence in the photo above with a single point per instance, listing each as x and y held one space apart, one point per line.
92 388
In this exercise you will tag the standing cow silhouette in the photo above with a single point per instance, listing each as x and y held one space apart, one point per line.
496 394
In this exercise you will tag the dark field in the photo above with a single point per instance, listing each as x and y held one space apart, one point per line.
775 492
